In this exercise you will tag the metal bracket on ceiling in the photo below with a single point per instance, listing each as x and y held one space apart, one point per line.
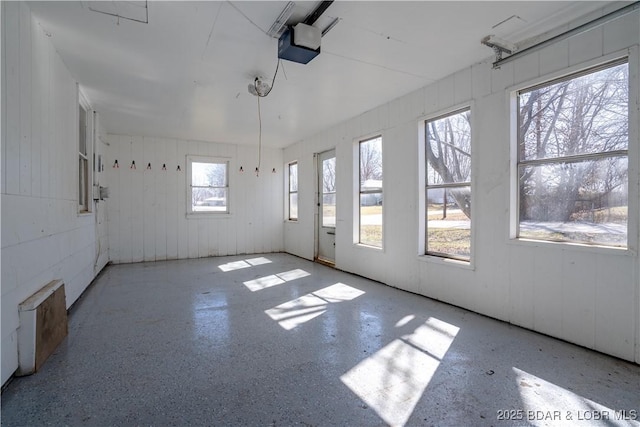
632 7
281 21
498 45
313 16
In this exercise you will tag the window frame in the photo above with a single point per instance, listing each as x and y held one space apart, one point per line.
291 192
322 193
628 57
359 192
85 180
424 247
190 159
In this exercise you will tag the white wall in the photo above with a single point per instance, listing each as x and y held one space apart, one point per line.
43 237
584 295
147 208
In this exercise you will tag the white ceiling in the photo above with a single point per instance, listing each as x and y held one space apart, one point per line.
185 73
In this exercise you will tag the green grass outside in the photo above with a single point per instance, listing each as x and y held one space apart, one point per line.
371 235
449 241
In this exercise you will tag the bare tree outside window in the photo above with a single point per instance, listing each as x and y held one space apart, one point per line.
573 159
329 192
448 185
329 175
371 160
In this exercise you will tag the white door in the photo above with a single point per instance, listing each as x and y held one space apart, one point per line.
326 216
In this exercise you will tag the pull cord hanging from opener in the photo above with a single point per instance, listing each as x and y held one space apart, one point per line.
260 92
259 138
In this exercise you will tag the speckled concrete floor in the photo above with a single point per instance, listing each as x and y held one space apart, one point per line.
276 340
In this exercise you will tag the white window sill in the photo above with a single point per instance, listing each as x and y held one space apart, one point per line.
450 262
572 246
211 215
369 247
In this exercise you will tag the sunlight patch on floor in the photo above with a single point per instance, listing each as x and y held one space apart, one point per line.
237 265
275 279
300 310
393 379
406 319
338 293
258 261
546 404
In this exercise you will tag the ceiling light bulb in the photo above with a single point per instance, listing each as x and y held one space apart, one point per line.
259 87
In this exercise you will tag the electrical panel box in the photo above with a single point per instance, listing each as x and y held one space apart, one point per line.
100 193
289 50
104 193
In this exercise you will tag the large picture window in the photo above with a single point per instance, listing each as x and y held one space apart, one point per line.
371 192
448 185
208 182
573 136
293 191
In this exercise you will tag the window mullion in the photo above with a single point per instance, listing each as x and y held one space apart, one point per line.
575 158
449 185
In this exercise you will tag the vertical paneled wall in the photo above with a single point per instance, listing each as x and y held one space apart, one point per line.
589 296
147 207
43 236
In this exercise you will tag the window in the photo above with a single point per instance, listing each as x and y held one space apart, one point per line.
208 185
329 192
83 161
293 191
448 185
573 135
371 192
